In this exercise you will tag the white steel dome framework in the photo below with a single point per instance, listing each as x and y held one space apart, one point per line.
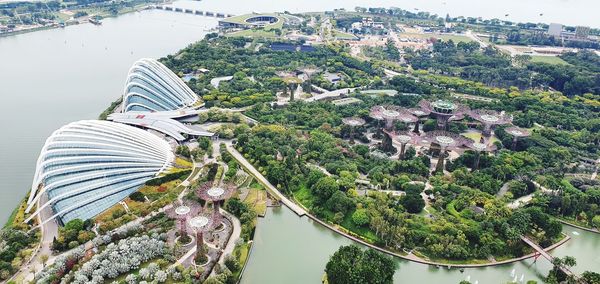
86 167
151 86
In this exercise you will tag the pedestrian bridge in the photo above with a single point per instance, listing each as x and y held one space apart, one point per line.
547 256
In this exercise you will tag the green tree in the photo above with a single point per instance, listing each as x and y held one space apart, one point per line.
325 188
350 264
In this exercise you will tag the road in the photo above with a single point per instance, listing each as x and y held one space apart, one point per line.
272 189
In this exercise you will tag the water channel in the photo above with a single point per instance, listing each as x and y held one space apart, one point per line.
53 77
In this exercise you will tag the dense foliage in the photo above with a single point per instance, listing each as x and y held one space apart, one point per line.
350 264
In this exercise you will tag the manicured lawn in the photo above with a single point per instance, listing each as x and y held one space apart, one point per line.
475 136
365 232
548 59
343 35
252 33
304 196
257 198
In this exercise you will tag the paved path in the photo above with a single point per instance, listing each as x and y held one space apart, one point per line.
272 189
523 200
235 235
546 255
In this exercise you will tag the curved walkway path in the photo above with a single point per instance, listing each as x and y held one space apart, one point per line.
410 257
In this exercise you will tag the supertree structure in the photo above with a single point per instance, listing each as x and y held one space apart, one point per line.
489 119
389 114
516 133
215 194
479 148
443 111
403 138
445 140
201 224
353 122
181 213
418 112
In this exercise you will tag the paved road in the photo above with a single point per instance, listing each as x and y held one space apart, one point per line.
272 189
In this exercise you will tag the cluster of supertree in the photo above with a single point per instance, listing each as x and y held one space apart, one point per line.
439 140
191 220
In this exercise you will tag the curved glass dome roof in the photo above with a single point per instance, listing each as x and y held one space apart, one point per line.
151 86
86 167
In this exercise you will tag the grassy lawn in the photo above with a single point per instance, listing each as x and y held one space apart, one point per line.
257 198
304 196
548 59
475 136
242 250
365 232
343 35
445 37
253 33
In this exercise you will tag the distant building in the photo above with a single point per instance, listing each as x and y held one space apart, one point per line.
332 77
582 32
356 27
555 30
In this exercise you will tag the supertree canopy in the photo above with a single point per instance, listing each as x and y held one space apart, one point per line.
489 119
392 113
215 194
403 138
479 148
446 140
201 224
517 133
443 111
182 213
418 112
353 122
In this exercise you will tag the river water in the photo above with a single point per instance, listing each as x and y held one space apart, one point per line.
53 77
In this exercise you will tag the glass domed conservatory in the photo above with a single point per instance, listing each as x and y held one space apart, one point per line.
151 86
86 167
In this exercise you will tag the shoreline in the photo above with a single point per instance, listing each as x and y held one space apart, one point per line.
577 226
433 263
56 26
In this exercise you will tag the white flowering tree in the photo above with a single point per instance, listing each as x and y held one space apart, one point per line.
121 258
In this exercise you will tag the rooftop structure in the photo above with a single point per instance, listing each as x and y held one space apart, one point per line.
490 119
516 133
86 167
392 113
445 140
253 20
555 30
479 148
151 86
162 122
443 111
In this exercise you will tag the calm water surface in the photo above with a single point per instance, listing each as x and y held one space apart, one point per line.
53 77
571 12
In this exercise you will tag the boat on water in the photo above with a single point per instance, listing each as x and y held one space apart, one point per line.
95 21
